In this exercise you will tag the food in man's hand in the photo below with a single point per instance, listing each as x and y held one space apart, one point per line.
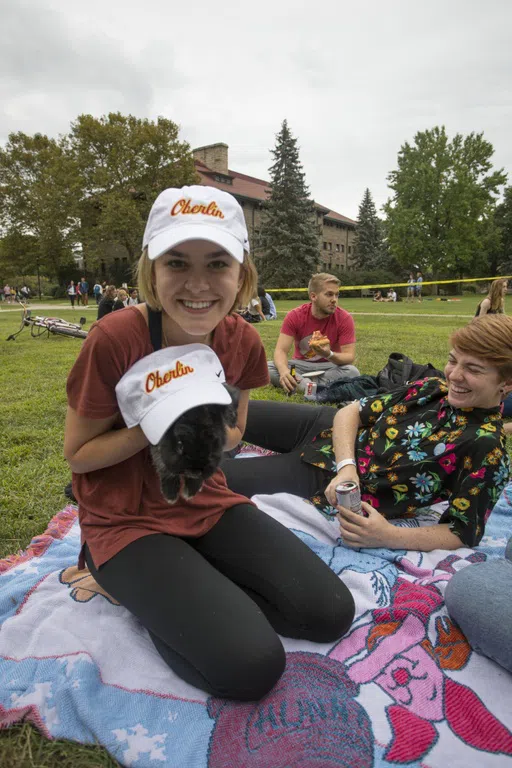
319 340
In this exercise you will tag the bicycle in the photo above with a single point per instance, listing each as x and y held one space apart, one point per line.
41 325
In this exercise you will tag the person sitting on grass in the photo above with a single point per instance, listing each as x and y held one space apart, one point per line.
108 300
494 302
321 320
377 296
428 442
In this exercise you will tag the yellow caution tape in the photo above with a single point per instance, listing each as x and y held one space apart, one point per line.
399 285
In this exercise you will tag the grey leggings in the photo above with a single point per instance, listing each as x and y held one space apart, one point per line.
478 598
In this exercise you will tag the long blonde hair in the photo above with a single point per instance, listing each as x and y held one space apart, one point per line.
495 295
145 279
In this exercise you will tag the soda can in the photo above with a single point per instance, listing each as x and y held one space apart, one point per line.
292 371
349 496
310 388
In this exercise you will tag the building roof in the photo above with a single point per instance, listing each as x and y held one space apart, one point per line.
251 188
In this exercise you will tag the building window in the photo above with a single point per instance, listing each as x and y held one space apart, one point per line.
350 249
223 179
330 246
337 247
325 246
342 248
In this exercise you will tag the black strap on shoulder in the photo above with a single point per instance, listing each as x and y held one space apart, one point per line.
155 328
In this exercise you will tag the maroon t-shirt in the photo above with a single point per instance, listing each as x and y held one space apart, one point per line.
122 503
300 323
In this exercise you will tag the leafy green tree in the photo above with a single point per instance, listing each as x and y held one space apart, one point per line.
289 236
124 163
501 254
370 250
441 214
39 187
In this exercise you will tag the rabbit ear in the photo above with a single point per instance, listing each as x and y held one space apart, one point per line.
171 488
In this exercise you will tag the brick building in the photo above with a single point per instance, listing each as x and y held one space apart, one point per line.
335 232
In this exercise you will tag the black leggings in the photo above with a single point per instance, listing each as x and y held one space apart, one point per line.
286 428
213 605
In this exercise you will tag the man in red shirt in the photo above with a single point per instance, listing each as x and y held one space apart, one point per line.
324 337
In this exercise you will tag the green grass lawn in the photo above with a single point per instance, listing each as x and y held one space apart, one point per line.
32 407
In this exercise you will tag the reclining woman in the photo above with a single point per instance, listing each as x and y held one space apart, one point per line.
428 442
211 577
494 302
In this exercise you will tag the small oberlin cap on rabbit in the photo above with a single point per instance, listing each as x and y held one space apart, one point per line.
196 213
162 386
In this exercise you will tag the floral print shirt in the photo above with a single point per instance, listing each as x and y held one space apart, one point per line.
414 450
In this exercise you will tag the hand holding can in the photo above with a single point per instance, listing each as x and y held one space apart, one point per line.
348 495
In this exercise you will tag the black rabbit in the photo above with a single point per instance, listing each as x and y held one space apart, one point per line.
191 449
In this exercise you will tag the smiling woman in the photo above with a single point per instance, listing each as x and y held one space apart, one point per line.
213 579
428 442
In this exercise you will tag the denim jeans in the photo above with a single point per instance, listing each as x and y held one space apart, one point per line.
479 599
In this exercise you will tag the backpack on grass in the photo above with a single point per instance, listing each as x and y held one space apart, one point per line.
400 369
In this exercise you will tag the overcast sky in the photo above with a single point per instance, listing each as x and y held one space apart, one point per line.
354 80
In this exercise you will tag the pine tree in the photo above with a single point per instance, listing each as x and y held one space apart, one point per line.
289 234
369 246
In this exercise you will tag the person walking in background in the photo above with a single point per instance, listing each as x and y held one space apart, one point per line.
419 285
84 291
494 302
78 293
25 293
134 298
72 293
106 305
98 292
410 287
7 293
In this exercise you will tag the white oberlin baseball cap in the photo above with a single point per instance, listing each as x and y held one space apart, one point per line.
162 386
196 213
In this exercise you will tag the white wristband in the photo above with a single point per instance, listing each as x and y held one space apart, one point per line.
345 463
331 354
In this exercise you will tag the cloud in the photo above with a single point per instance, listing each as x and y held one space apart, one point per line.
355 81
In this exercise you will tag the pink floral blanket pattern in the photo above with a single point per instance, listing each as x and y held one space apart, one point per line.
403 688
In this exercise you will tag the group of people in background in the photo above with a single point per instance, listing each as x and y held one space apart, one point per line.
261 307
116 298
11 295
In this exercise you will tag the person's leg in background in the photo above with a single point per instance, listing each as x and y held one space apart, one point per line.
478 599
211 634
295 589
274 374
72 300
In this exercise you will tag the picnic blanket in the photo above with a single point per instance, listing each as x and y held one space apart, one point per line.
402 688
